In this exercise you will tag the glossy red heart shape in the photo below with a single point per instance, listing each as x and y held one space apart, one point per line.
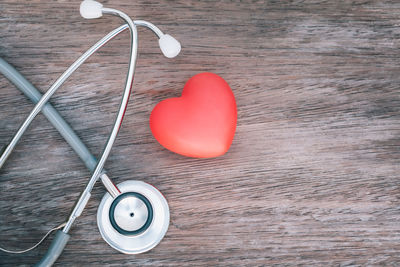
201 123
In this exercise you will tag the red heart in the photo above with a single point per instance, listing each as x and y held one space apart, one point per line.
201 123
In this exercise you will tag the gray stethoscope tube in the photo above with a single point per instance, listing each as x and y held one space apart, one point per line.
62 237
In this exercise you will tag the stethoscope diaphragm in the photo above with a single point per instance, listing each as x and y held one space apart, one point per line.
136 220
131 213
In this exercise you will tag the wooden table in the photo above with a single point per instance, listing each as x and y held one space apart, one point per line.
312 177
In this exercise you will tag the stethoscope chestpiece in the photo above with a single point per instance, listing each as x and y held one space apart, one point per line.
136 220
131 213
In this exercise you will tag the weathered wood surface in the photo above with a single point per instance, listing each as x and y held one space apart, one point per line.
312 177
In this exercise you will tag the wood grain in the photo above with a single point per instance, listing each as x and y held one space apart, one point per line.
312 177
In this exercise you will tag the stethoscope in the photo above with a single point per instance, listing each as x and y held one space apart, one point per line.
133 217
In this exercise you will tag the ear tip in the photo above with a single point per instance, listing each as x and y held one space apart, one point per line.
169 46
90 9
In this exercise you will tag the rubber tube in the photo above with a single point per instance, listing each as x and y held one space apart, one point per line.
50 112
55 249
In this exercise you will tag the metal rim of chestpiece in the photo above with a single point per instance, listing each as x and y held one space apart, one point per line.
136 221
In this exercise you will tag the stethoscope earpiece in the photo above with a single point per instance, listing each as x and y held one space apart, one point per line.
91 9
169 46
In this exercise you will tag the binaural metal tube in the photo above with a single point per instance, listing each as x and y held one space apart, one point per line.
150 26
118 121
